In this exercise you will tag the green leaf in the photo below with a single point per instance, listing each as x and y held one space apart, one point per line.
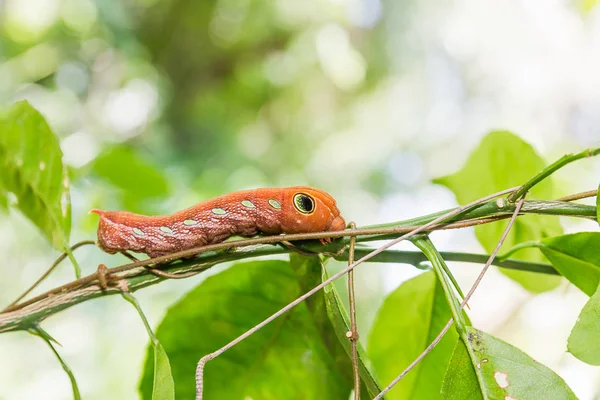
410 318
460 381
31 167
279 361
137 178
502 372
501 161
163 387
340 325
583 341
331 321
576 257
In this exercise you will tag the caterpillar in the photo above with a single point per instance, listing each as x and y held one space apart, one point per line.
298 209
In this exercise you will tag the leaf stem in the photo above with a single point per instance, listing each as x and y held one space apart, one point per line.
38 331
353 333
441 270
549 170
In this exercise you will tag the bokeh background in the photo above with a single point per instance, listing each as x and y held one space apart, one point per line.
160 104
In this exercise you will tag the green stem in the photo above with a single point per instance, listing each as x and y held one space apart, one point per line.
38 331
498 208
438 263
549 170
520 246
130 298
74 262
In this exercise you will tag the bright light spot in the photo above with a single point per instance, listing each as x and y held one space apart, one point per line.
255 139
28 20
280 68
131 107
79 149
406 168
364 13
79 15
226 25
38 62
72 76
340 61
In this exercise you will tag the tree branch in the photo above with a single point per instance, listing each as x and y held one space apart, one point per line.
132 277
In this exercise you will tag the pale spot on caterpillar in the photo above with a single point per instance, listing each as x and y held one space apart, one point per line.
166 229
138 231
248 204
190 222
275 204
218 211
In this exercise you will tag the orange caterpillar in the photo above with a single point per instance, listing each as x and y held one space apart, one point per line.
298 209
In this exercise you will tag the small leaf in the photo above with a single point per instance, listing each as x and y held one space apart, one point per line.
31 167
163 387
502 372
410 318
583 341
576 257
283 359
501 161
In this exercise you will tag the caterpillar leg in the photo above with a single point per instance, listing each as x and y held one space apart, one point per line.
102 274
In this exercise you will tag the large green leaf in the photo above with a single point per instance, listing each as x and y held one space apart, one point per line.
282 360
490 368
460 381
31 167
583 340
410 318
332 322
501 161
576 257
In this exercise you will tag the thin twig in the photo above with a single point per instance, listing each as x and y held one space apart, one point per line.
579 196
48 271
352 334
550 169
462 304
154 271
208 357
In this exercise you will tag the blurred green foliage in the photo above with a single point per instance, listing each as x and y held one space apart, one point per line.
160 104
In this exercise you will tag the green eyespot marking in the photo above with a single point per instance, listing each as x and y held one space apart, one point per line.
190 222
304 203
275 204
138 231
166 229
219 211
248 204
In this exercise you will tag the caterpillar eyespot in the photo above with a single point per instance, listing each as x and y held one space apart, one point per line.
304 203
299 209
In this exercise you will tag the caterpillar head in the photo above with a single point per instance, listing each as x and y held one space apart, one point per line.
310 210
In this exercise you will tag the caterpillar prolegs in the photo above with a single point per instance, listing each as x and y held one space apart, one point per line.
298 209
